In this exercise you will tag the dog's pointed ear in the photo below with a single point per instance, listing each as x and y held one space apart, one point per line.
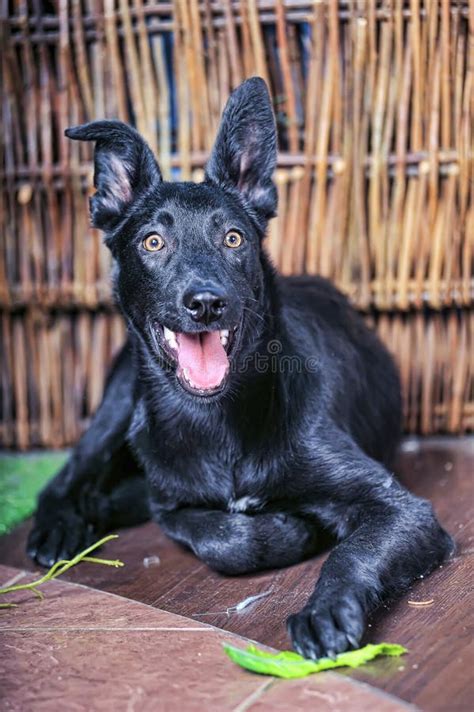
245 152
124 167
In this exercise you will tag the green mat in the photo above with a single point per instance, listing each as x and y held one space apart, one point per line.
21 478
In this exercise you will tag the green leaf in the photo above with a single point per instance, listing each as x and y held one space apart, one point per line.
289 664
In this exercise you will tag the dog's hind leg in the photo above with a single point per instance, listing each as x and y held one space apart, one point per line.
61 529
235 543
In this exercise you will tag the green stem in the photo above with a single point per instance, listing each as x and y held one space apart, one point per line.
107 562
60 567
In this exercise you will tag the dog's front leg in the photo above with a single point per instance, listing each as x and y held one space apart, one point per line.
235 543
388 536
62 526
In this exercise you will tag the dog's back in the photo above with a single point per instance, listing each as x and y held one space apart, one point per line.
360 383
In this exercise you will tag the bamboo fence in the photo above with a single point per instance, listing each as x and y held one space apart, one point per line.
375 110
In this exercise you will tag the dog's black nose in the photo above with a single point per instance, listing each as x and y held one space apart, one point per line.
205 306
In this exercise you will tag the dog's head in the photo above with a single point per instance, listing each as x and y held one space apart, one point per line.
189 272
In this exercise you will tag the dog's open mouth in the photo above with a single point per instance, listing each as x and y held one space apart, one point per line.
201 359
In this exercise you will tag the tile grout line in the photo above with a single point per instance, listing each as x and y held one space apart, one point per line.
14 579
254 696
74 629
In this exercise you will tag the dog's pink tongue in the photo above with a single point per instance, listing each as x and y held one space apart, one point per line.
202 358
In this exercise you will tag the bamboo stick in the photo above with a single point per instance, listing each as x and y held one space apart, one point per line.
375 106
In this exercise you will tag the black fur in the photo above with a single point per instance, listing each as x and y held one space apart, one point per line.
298 439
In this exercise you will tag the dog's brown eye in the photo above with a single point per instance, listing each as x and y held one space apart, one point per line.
153 243
233 239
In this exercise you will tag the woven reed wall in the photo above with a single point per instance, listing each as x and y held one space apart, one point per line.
374 102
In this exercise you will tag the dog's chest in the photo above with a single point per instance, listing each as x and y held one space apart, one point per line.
216 468
217 474
212 478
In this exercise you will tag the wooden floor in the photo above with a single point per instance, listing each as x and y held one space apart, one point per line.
438 672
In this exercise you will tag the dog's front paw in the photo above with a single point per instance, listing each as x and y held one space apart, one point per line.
327 626
59 533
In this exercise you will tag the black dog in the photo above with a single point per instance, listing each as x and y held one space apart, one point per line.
248 414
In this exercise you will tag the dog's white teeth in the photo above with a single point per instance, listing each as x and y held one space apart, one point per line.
187 376
224 336
170 337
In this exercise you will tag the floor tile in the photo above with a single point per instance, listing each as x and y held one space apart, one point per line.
83 650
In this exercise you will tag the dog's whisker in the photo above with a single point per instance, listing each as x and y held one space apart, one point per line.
254 313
